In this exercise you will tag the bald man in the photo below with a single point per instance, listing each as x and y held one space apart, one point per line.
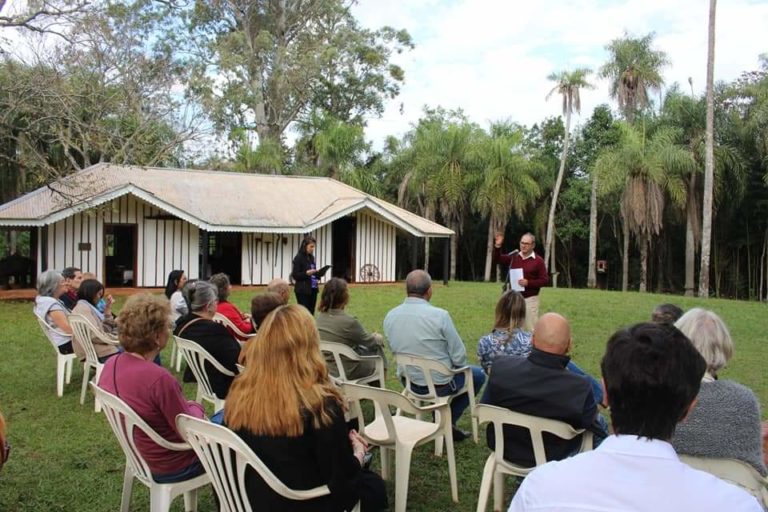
540 385
280 287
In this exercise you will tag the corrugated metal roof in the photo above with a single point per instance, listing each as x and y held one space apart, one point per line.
213 200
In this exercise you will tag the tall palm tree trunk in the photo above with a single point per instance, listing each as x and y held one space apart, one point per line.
555 193
625 256
644 243
592 272
494 225
690 257
706 235
454 249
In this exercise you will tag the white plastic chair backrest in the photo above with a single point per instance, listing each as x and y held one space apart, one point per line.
124 421
385 400
500 416
734 471
426 367
83 331
196 357
225 457
337 350
47 329
226 322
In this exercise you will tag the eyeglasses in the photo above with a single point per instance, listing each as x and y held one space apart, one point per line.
526 243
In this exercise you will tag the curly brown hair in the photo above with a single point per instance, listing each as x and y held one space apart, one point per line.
141 319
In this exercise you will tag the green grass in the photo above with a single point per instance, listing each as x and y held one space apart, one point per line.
65 457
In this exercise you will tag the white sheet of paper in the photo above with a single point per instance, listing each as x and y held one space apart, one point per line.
516 274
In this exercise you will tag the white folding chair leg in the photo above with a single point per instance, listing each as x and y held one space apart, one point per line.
179 357
402 473
439 440
160 499
385 462
190 501
498 491
452 469
68 366
96 402
475 428
485 483
172 350
84 388
61 372
125 500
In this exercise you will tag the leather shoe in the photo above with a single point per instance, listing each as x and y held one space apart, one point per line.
460 435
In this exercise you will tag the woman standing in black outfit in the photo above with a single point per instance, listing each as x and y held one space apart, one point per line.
304 274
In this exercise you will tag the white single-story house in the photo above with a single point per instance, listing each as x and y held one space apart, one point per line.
134 225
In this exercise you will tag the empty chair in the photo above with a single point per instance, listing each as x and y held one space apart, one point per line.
64 362
225 457
197 357
734 471
496 466
402 434
84 333
125 422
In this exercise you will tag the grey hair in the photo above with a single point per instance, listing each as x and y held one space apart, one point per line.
417 282
709 335
221 282
48 281
200 295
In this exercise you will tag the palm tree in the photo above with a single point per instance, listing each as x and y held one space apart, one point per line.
709 161
644 170
568 85
634 69
507 186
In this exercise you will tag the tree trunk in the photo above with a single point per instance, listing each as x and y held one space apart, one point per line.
556 192
489 248
644 241
625 257
690 256
706 235
454 249
592 272
426 254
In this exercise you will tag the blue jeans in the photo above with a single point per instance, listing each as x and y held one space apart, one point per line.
191 471
597 389
461 402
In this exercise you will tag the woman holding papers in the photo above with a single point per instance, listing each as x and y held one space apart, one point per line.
306 276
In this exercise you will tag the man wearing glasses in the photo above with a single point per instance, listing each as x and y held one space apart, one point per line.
535 273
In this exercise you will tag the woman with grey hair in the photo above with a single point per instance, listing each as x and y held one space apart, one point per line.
48 307
725 421
229 310
198 326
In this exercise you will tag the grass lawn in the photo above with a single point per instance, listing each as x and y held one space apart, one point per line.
65 457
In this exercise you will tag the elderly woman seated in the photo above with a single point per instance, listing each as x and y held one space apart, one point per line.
48 307
725 421
149 389
89 294
229 310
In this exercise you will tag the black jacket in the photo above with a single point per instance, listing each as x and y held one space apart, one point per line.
539 385
301 263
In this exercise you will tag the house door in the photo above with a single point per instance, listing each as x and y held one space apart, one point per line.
120 254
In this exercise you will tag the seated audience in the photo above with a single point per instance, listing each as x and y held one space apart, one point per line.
5 446
418 328
338 326
666 314
149 389
176 281
229 310
652 374
508 338
540 385
50 288
298 428
72 279
280 287
89 294
262 305
198 326
725 423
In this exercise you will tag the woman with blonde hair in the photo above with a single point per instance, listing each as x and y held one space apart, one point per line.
286 409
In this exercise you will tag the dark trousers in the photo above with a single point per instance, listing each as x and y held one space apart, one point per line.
308 300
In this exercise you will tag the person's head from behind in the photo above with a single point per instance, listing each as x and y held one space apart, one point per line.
176 281
51 284
221 282
262 305
418 284
284 358
201 297
335 294
666 314
651 373
709 335
73 277
510 311
90 291
552 334
143 323
308 245
280 287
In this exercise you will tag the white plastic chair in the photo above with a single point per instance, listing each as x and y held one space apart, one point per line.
176 358
401 433
337 350
197 357
124 421
734 471
84 332
427 367
226 322
225 458
496 466
64 362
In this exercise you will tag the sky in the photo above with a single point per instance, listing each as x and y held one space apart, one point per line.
492 57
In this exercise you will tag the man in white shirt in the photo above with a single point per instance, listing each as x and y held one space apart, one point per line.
651 375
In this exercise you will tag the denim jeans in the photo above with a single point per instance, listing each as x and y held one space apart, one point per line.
191 471
461 402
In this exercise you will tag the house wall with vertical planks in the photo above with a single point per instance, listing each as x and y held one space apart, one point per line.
375 248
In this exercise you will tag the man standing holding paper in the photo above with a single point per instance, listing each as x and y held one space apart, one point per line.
534 272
